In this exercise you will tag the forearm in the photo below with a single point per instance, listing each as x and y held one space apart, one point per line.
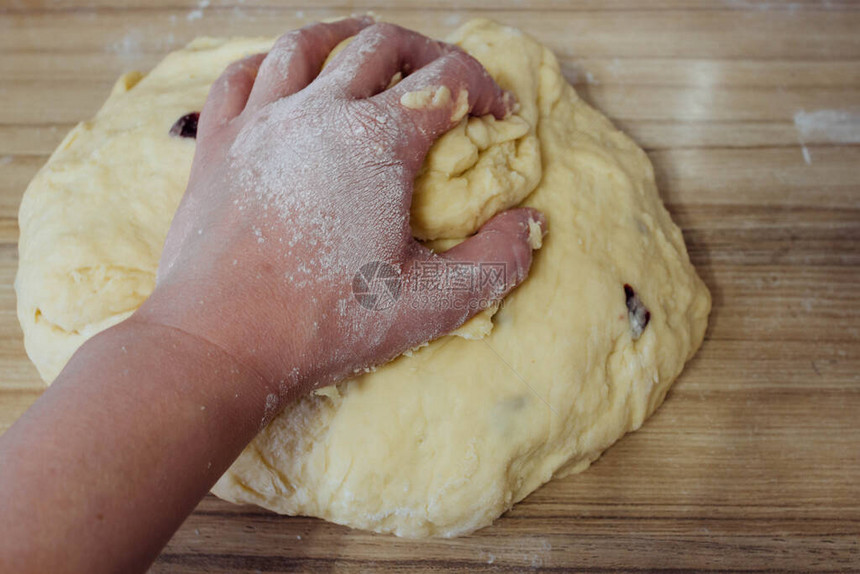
141 422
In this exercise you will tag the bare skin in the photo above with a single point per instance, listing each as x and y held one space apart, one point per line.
299 179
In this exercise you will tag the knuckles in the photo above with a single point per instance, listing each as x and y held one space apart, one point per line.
295 40
383 30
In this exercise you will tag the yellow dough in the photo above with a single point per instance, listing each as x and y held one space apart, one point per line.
444 439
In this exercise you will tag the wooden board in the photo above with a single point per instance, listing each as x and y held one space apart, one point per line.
750 112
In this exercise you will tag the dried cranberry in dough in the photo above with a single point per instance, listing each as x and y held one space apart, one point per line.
638 314
186 126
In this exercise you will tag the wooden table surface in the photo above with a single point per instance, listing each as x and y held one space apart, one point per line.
750 112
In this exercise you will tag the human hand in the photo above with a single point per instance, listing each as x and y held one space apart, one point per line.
300 179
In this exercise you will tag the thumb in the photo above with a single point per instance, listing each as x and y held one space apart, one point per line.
442 291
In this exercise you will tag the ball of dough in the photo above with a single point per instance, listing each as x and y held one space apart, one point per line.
444 439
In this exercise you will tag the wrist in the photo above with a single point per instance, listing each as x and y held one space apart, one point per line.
192 370
256 328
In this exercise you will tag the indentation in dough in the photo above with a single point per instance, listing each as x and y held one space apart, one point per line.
126 82
39 319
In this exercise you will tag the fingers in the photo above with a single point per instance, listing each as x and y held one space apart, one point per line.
297 57
507 239
228 94
437 97
365 67
442 291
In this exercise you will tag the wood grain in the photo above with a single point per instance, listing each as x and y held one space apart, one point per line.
753 463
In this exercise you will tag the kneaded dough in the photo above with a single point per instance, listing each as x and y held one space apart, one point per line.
444 439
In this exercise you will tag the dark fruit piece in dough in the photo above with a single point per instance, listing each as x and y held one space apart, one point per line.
186 126
638 314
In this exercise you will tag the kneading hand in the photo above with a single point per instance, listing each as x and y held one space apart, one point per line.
301 180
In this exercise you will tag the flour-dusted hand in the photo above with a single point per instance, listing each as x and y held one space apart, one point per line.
292 248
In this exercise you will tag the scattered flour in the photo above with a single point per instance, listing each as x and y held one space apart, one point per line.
831 126
129 46
826 126
453 20
271 409
198 13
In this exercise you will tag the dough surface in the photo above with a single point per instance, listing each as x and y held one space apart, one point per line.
444 439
